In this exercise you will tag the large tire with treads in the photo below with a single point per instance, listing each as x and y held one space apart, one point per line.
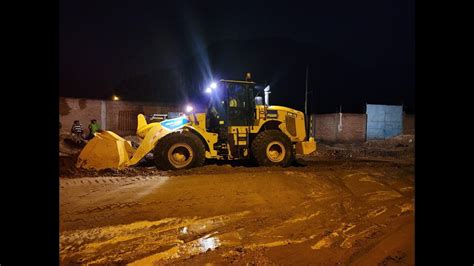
179 150
272 148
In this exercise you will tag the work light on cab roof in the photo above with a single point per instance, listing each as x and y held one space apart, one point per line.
189 108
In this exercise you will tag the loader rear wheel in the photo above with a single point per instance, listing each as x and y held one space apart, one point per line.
179 150
272 148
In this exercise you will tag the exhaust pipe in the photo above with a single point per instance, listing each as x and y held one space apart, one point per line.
267 94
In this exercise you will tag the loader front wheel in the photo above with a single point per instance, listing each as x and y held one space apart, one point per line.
179 150
272 148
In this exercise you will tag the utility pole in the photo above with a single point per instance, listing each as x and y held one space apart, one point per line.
306 94
308 116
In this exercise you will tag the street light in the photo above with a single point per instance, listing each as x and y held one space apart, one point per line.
115 98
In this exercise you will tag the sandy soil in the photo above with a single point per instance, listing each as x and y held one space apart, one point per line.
345 209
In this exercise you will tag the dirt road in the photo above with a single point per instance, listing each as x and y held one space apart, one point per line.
336 211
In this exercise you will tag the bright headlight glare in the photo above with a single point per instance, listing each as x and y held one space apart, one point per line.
189 108
208 90
213 85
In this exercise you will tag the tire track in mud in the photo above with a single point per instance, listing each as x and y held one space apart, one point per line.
367 244
110 207
402 191
90 197
106 180
168 238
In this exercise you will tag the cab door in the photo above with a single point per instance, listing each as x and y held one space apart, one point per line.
239 104
240 114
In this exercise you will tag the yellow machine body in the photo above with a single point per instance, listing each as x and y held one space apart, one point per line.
108 150
290 121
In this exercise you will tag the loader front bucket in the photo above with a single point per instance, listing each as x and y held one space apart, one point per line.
105 150
109 150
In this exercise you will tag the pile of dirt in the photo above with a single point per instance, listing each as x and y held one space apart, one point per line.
68 146
401 141
331 152
67 165
398 147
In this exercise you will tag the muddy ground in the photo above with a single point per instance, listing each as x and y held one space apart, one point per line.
350 204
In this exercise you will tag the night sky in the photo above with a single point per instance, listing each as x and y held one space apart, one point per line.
357 51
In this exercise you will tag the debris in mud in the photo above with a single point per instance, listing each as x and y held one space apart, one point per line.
397 258
406 208
326 242
246 257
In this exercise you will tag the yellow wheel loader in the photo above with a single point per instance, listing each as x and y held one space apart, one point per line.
236 125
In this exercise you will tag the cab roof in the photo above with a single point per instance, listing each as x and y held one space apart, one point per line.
238 81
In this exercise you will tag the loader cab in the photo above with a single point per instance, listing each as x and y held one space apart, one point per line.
240 103
232 104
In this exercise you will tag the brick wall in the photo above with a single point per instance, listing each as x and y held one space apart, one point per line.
84 110
325 127
116 116
409 124
117 111
353 127
114 109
